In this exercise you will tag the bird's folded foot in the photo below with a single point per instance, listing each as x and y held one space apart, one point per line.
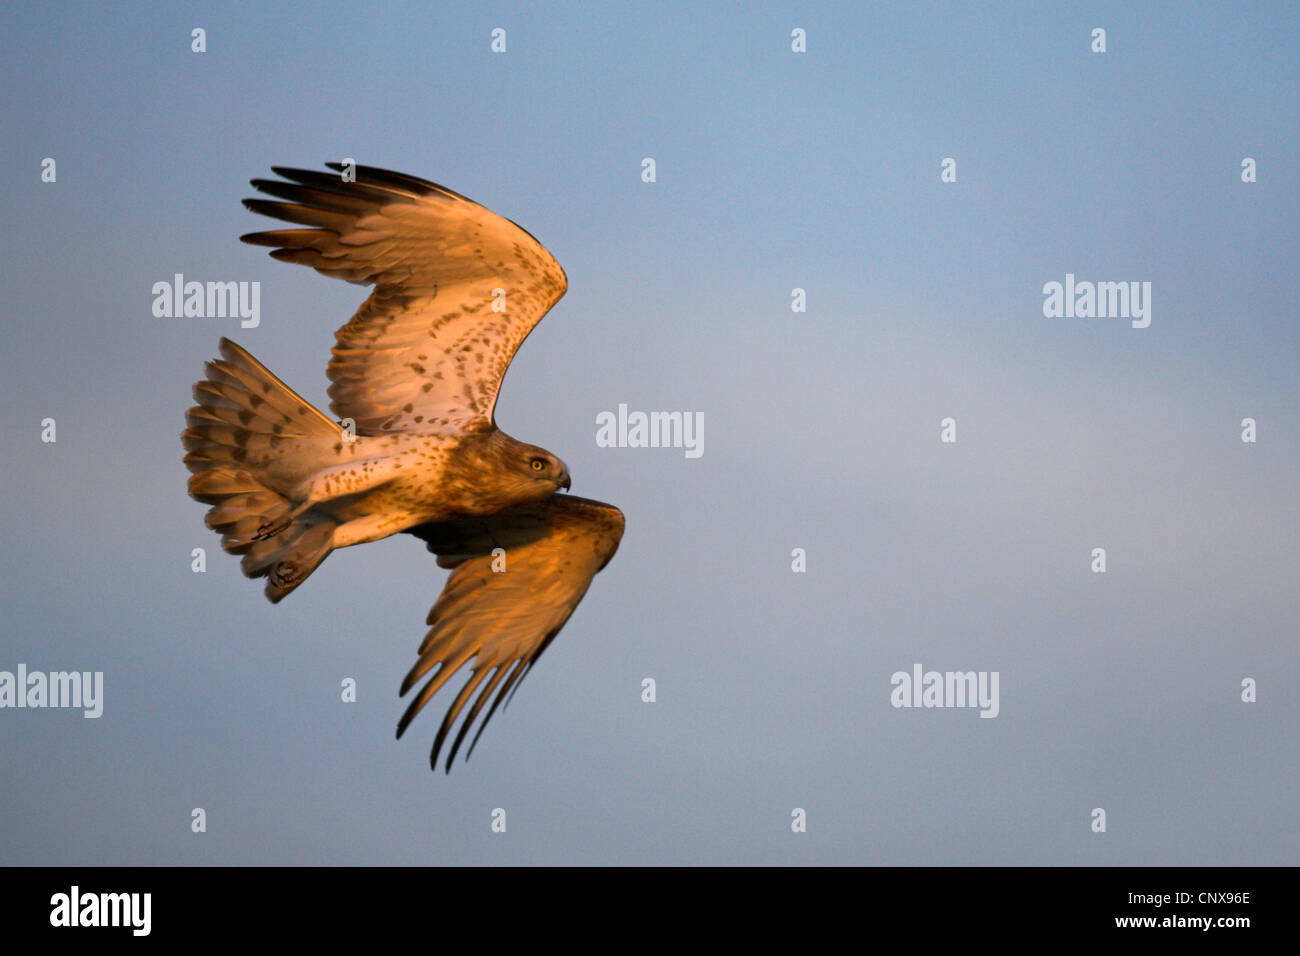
272 528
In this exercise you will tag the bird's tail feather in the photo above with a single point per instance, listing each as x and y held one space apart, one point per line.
236 444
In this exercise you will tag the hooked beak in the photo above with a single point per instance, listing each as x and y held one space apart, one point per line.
566 483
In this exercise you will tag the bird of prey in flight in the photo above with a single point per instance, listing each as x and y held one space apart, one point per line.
414 379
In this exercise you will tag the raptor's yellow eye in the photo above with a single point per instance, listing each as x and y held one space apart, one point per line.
538 464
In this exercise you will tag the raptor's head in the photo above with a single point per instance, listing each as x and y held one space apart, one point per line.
540 466
525 472
499 472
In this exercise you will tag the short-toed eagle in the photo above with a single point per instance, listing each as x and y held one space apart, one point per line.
414 379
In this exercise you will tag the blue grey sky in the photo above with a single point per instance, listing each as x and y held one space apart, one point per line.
775 171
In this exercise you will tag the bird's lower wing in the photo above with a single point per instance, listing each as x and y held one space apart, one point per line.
499 611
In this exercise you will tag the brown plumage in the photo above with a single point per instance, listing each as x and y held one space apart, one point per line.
414 380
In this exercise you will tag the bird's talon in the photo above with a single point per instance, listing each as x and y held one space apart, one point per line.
284 574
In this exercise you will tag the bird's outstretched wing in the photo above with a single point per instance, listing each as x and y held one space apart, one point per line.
503 619
457 289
